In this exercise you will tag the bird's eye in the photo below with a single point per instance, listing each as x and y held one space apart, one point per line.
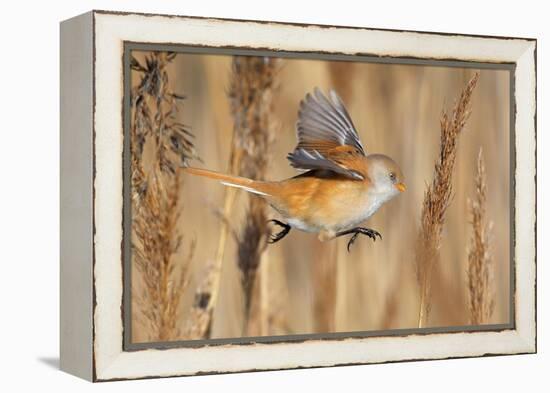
392 176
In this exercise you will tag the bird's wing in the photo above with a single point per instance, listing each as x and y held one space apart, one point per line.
323 127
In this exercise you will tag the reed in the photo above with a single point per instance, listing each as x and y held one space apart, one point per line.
159 145
342 78
438 196
479 275
206 294
250 94
199 320
324 279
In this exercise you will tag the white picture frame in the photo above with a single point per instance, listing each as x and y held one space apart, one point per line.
92 320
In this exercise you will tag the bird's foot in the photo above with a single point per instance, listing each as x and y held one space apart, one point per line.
278 236
359 231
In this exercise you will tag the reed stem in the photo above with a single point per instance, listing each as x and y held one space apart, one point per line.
479 274
438 196
155 190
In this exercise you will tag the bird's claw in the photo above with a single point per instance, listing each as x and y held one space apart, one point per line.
352 240
371 233
278 236
275 238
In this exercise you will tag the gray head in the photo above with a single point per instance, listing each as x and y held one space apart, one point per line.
385 174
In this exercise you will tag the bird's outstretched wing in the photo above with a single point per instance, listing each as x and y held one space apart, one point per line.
325 131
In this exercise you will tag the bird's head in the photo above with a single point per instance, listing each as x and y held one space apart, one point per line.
385 174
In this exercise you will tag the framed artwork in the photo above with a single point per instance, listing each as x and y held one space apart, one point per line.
245 195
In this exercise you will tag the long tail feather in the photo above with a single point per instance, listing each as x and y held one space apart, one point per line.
255 187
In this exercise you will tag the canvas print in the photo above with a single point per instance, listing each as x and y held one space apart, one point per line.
283 195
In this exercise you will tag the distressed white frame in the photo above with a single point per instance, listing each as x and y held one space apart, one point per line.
110 30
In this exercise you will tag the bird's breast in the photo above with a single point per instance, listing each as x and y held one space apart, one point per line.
372 202
313 204
347 208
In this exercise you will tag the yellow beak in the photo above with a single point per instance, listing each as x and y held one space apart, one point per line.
401 187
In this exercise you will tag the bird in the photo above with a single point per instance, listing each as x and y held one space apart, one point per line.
340 185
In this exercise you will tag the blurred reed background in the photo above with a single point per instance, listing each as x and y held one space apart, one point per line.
303 285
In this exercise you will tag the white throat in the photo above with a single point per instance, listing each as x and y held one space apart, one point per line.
378 198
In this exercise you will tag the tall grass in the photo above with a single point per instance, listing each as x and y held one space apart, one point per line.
250 93
207 292
438 196
480 290
199 321
159 144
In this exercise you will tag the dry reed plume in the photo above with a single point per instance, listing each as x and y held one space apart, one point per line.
155 189
250 94
437 197
479 257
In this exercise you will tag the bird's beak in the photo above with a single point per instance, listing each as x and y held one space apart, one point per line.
401 187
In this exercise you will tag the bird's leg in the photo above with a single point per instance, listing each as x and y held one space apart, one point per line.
357 231
278 236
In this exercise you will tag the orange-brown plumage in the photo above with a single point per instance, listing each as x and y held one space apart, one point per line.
342 185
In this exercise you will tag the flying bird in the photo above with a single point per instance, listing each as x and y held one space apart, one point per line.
341 185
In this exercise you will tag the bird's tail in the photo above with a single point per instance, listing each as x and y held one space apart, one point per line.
253 186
